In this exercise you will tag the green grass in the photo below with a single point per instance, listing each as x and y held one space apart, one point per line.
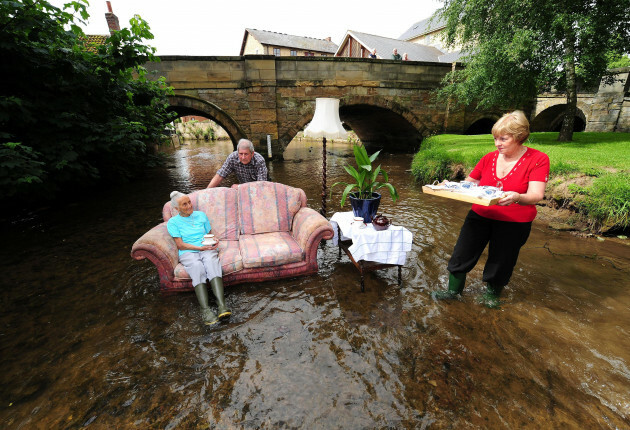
605 156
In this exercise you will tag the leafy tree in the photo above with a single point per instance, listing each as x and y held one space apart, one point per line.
71 117
521 48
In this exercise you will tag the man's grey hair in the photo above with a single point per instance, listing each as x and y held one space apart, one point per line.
175 196
244 143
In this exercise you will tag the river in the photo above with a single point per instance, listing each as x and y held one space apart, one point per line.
88 340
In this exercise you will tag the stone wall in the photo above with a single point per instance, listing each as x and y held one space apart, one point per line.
604 111
610 110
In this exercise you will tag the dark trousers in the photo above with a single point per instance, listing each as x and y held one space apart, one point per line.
505 238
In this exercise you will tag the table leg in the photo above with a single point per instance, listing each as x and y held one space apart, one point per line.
339 241
399 275
361 272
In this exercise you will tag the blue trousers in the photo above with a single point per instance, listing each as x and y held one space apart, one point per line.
504 240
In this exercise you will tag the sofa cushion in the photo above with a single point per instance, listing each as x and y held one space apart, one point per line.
269 249
221 207
266 207
230 256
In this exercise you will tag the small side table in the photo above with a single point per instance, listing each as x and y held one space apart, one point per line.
371 250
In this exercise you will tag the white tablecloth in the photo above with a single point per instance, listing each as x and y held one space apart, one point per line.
386 246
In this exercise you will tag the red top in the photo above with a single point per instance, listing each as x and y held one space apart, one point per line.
532 166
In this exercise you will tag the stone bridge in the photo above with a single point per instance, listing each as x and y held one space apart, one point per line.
389 104
608 109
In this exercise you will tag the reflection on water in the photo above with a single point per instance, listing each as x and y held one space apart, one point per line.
88 340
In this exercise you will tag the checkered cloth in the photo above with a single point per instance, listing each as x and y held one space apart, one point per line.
256 170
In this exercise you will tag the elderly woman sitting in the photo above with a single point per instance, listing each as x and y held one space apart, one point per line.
201 261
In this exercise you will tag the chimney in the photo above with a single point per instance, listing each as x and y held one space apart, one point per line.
112 20
328 38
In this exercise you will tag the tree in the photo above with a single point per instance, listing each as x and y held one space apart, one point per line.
518 49
71 118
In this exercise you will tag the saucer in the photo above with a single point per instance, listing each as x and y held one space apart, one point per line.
209 242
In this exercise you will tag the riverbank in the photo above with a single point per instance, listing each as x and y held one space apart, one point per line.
589 187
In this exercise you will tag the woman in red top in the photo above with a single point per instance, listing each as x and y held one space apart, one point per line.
523 173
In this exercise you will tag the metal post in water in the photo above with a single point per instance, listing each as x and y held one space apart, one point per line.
323 211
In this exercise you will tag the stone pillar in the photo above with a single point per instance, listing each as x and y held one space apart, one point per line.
260 76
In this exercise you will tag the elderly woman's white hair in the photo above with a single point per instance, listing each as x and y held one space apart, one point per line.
175 196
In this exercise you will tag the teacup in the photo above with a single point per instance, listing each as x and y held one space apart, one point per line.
208 236
358 220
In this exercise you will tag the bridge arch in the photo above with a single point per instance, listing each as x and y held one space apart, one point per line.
481 123
187 105
378 121
550 119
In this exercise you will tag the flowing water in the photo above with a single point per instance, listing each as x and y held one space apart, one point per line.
88 340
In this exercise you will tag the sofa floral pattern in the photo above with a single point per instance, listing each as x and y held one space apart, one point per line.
265 230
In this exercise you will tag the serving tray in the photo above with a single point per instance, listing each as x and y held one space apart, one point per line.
454 195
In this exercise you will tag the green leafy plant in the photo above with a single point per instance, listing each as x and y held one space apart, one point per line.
366 177
73 114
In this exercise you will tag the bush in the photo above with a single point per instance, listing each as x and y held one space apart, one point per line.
71 117
607 201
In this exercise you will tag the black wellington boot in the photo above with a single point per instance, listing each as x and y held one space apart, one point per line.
456 282
490 298
217 289
209 318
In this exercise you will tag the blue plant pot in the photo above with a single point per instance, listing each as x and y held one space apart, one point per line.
365 208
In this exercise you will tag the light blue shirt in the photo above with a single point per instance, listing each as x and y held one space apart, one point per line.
191 228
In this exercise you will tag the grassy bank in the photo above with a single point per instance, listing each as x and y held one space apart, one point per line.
590 175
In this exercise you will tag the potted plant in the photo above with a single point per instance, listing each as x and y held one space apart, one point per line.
363 196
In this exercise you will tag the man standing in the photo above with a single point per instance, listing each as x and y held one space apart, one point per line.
248 165
396 55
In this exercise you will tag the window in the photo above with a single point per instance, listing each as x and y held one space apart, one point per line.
324 55
309 54
293 53
276 52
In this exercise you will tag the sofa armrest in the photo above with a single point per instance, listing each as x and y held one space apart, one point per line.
159 247
308 229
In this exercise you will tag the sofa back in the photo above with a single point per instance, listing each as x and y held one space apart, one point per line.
219 204
265 207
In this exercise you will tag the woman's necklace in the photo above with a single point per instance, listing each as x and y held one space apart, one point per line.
504 166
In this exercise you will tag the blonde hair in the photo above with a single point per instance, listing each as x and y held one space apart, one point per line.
514 124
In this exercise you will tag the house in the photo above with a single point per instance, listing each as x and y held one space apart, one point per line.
264 42
359 45
426 32
93 41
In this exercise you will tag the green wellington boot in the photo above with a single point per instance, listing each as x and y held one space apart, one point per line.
209 318
456 282
217 289
490 298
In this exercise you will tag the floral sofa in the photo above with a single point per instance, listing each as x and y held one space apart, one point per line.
265 232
